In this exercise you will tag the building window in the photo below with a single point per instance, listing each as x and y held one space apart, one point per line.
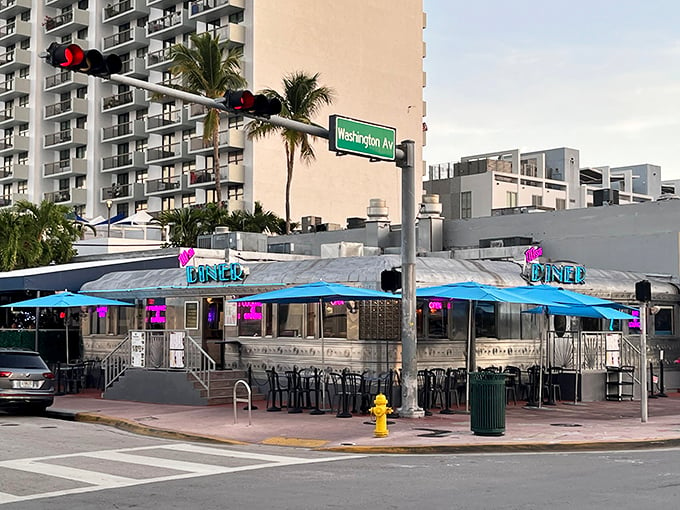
81 181
249 316
334 319
22 187
141 205
536 200
81 152
235 158
141 175
511 199
235 122
485 320
466 205
663 321
168 204
290 319
188 200
560 204
22 158
234 192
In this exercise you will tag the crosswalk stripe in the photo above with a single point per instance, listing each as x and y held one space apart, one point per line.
69 473
192 448
179 465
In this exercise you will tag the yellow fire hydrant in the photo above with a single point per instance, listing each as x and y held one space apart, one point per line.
380 411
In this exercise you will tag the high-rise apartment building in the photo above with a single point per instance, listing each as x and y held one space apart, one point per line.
83 141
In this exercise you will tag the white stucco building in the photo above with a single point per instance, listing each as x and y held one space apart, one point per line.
70 138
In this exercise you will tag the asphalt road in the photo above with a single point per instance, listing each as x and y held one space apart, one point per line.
65 465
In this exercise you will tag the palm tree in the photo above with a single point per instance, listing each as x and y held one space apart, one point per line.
208 68
301 100
258 221
190 222
48 226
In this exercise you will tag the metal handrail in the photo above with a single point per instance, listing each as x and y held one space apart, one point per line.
198 363
243 400
116 362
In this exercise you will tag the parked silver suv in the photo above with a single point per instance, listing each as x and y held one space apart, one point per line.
26 383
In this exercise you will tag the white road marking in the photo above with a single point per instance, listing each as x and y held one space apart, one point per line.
100 481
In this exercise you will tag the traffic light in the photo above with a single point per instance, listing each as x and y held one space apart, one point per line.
74 58
390 280
244 101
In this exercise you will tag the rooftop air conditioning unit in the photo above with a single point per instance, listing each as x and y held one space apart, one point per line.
496 243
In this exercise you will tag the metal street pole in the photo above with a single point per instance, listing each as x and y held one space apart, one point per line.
409 355
643 362
405 159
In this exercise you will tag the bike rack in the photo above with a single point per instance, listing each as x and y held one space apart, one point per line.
243 400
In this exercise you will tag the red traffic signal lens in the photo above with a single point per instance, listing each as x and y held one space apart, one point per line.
73 56
246 101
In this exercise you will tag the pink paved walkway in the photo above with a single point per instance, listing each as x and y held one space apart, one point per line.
564 426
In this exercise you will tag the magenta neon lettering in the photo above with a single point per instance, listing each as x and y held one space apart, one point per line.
533 253
156 310
186 256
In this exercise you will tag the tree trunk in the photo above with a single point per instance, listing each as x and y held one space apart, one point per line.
290 159
216 166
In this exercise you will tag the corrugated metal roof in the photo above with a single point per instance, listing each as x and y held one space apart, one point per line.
363 271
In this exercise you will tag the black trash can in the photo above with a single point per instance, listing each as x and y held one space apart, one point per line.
487 403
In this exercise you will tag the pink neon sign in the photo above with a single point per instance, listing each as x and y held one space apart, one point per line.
533 253
253 313
186 256
102 311
156 310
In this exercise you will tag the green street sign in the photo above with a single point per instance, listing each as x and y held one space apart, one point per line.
351 136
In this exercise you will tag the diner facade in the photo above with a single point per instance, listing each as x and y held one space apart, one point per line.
365 335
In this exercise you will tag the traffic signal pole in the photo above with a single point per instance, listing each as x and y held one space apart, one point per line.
405 159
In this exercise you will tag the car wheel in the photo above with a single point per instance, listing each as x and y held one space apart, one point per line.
35 410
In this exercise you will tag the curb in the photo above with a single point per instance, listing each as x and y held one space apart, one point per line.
145 430
137 428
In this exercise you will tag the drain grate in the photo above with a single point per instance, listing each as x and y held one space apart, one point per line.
566 425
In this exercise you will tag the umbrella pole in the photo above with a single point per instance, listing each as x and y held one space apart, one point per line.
323 359
540 358
469 355
66 322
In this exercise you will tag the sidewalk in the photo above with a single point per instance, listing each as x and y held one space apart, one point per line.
564 427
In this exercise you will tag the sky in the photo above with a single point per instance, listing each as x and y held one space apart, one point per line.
600 76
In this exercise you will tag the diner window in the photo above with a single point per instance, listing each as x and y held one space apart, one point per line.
485 320
663 321
290 319
459 312
311 320
98 315
268 320
437 319
249 316
335 319
154 312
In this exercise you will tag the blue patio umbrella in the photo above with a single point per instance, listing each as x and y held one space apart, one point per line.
318 292
65 300
572 304
474 292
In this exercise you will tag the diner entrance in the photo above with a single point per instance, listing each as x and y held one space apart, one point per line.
213 320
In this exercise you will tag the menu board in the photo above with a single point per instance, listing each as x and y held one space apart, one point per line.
176 349
230 314
191 315
138 348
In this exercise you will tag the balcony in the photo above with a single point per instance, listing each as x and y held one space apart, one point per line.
124 102
13 88
135 68
159 60
170 25
14 144
65 168
209 10
66 139
165 185
169 122
10 8
131 130
64 81
205 178
233 34
14 116
173 82
168 153
197 111
12 173
122 162
124 11
229 139
58 3
10 199
66 23
126 41
15 31
73 196
123 192
13 60
67 109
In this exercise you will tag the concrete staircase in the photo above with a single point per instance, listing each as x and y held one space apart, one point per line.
178 387
222 387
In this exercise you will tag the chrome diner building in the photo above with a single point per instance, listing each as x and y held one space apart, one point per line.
365 335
